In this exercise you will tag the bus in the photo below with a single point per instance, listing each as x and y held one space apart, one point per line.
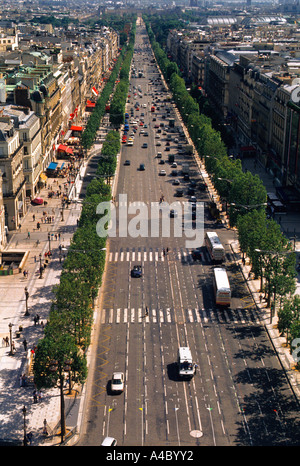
186 367
221 287
214 246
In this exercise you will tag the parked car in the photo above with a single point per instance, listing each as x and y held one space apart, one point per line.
142 167
127 162
162 172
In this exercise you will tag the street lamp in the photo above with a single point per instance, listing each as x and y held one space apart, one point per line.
24 426
10 325
26 300
41 268
49 240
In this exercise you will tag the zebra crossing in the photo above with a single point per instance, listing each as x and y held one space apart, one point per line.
133 316
152 255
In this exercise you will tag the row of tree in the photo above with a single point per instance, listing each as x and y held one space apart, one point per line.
67 334
93 123
271 255
117 107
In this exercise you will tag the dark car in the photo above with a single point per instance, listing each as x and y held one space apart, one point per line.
196 254
142 167
179 192
127 162
136 271
173 213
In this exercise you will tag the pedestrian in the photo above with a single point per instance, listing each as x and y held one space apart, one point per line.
29 437
35 396
28 235
167 250
24 380
25 344
147 311
24 273
6 341
33 217
37 318
164 251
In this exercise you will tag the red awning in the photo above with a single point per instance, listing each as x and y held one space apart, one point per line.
76 128
63 148
94 90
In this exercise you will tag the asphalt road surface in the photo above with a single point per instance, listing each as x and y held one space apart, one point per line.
239 394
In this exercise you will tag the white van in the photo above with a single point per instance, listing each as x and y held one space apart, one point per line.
186 367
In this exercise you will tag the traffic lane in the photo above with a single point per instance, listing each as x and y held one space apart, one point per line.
114 420
134 433
102 408
117 284
157 349
220 394
267 402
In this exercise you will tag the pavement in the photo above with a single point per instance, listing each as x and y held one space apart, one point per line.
42 416
14 396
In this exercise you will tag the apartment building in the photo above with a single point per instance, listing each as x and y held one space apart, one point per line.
42 93
46 104
11 166
27 123
251 78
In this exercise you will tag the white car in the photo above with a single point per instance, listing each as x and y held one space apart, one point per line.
117 382
109 442
162 172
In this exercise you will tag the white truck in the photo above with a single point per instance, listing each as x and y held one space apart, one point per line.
186 367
